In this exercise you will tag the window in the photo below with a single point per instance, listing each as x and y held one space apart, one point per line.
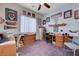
28 24
56 28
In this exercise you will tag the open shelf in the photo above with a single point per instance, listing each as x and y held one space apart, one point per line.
57 25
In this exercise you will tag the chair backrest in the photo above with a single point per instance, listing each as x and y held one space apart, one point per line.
76 39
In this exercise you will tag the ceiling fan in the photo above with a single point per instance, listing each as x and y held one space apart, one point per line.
45 4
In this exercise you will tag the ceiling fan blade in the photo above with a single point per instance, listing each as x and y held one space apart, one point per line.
39 7
45 4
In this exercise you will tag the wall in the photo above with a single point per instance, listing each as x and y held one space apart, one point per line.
19 9
72 24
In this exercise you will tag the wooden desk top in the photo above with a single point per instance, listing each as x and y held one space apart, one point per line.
30 33
7 43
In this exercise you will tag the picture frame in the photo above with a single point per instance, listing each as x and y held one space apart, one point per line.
48 19
24 12
8 27
13 23
57 15
33 15
76 14
44 22
10 15
29 14
68 14
1 20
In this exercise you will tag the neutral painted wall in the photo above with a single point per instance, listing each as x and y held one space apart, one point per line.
19 9
72 24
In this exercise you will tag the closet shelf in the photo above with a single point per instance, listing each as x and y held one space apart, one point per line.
57 25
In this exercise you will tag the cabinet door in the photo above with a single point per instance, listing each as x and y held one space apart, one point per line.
8 50
66 38
0 51
29 39
60 44
59 41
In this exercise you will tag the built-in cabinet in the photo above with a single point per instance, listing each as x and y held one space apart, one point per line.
59 41
29 39
8 50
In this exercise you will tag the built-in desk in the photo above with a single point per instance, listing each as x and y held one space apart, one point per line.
59 40
29 38
8 48
7 45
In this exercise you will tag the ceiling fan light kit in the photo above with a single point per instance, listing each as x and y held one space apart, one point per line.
45 4
39 7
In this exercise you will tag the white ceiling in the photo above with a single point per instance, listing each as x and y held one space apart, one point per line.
43 10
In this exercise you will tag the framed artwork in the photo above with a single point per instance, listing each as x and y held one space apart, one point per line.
44 22
48 19
13 23
68 14
76 14
29 14
8 27
33 15
1 20
24 12
10 15
57 15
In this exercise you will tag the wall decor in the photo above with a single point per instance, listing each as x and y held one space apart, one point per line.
24 12
68 14
76 14
29 14
44 22
11 23
57 15
10 15
48 19
1 20
8 27
33 15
